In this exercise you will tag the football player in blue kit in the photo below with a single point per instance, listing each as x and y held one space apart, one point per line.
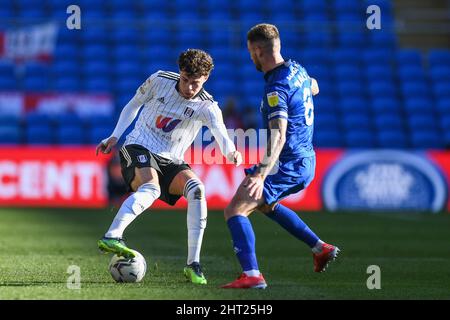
289 163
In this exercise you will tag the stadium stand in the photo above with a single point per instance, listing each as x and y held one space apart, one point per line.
373 92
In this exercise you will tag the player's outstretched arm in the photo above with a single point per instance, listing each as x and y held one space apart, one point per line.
127 116
219 131
314 87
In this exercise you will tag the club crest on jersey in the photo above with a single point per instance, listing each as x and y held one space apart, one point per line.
273 98
142 158
167 124
188 112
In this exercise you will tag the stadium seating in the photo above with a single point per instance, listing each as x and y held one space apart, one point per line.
372 92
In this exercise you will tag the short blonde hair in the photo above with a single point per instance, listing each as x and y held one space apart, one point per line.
265 33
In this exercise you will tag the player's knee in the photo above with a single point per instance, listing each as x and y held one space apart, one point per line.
194 190
144 197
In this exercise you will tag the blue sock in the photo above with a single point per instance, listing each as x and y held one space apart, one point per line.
291 222
243 242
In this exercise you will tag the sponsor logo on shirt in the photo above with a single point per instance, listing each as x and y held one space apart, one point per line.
166 124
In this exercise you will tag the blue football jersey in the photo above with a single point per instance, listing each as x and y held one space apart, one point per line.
287 94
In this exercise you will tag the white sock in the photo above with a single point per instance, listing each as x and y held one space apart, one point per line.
194 192
252 273
318 247
133 206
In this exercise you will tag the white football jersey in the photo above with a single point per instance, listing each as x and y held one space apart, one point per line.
169 123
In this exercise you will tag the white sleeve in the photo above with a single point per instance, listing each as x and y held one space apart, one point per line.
127 116
143 94
214 121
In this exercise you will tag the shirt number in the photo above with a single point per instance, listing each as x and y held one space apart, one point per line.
309 106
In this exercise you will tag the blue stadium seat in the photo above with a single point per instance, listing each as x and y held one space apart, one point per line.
382 39
127 68
63 67
346 6
6 69
10 134
344 55
67 84
424 121
329 138
317 39
356 121
8 83
326 120
324 104
94 68
415 89
318 71
101 120
442 89
94 35
377 56
359 139
409 57
354 88
39 134
445 123
218 5
353 40
380 88
314 56
155 16
68 119
68 52
353 104
125 35
418 105
439 57
392 139
70 134
389 121
313 6
97 84
427 140
36 83
383 105
379 72
414 72
443 106
98 133
94 52
347 72
440 73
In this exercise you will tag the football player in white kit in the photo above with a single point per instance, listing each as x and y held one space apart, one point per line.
175 108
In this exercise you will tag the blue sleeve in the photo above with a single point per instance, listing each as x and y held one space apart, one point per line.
275 102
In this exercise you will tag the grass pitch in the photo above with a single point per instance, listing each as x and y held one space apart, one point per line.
38 245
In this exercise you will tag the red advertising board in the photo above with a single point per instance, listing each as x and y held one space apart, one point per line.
49 176
75 177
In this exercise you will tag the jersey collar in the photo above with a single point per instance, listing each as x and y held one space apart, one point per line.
286 63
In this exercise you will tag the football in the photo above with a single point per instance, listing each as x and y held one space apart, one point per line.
128 270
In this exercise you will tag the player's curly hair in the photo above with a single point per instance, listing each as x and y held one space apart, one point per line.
264 32
195 63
